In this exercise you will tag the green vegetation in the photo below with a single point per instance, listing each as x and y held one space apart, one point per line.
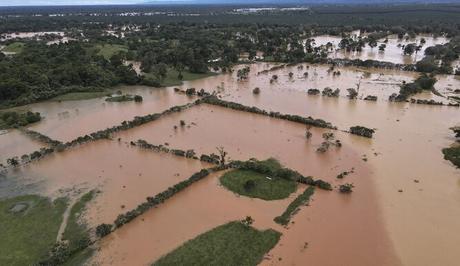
76 232
294 206
29 227
272 167
255 185
109 50
422 83
452 154
15 47
230 244
75 96
172 77
11 119
42 72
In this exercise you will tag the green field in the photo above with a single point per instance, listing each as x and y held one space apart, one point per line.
75 96
263 188
228 244
452 154
108 50
76 231
15 47
172 79
27 235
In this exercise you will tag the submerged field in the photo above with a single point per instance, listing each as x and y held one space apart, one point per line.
397 175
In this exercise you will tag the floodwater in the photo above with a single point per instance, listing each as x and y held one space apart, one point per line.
68 120
246 136
405 154
403 210
124 175
193 211
393 52
13 143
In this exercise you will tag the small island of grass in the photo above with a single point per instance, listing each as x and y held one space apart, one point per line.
233 243
257 185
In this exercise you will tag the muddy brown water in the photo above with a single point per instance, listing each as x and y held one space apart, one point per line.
124 175
375 225
245 136
13 143
406 147
68 120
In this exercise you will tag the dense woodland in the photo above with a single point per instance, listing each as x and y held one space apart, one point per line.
181 44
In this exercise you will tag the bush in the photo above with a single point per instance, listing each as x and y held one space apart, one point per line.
103 230
362 131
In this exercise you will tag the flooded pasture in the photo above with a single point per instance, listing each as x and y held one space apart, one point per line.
245 136
13 143
68 120
403 210
124 175
406 147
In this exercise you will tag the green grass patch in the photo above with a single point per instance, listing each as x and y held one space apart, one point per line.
452 154
76 232
294 206
172 78
228 244
255 185
27 235
76 96
108 50
15 47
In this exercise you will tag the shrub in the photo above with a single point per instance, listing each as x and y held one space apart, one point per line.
103 230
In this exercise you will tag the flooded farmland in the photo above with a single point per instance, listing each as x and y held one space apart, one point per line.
13 143
399 175
393 52
125 176
67 120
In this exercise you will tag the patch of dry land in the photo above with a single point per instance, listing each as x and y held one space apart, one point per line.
403 209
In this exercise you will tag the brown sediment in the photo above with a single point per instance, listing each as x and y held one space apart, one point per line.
245 135
68 120
124 175
14 143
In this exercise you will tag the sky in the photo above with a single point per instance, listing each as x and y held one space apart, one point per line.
64 2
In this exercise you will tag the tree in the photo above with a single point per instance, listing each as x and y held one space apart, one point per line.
103 230
409 49
248 221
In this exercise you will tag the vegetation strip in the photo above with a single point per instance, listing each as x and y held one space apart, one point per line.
294 206
293 118
40 137
101 134
234 243
190 153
